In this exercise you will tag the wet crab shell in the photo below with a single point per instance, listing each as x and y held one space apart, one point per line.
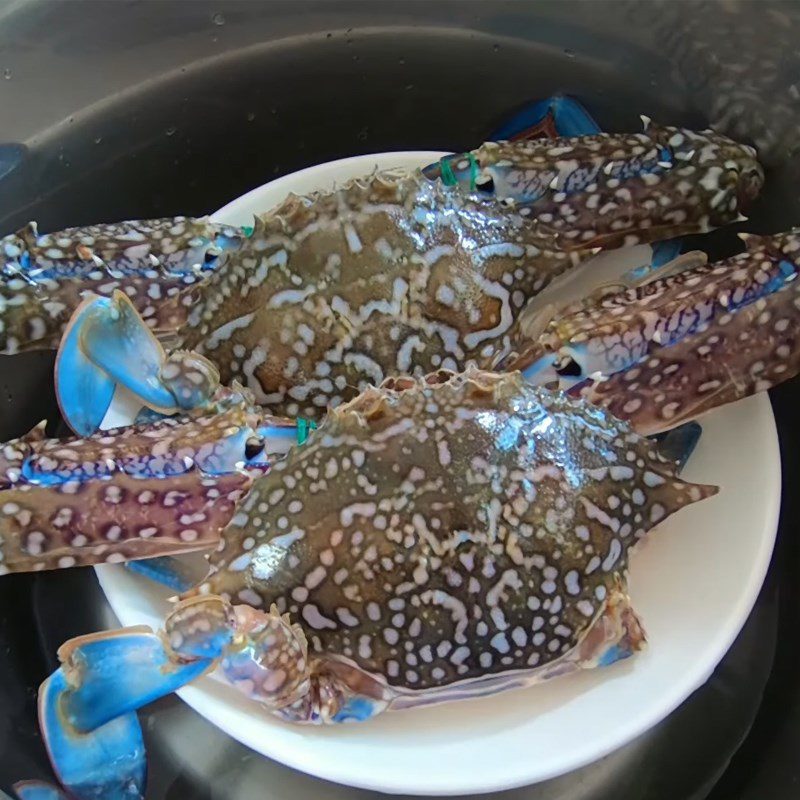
449 528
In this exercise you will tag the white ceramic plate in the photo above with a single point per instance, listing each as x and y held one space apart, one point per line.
693 583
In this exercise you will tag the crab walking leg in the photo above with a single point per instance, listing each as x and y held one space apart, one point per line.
558 115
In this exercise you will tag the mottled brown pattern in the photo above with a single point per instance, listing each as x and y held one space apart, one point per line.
134 492
74 523
744 353
611 190
388 275
664 353
152 261
438 531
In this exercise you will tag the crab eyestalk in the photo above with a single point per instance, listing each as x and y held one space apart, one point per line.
678 346
43 276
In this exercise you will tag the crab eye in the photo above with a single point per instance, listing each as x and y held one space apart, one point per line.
485 184
253 447
569 369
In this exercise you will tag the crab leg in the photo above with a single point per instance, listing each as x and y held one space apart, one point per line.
678 346
168 487
42 276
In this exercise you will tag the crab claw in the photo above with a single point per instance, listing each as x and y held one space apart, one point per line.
105 764
106 344
610 190
43 276
559 115
87 708
671 349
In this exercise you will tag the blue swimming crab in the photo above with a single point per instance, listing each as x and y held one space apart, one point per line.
449 530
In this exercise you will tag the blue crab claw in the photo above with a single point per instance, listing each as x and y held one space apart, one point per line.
107 344
37 790
92 666
105 764
87 708
559 115
672 348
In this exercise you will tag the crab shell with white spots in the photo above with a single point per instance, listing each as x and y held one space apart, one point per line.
451 529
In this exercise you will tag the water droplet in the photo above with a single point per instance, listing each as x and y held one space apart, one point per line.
569 53
495 47
251 115
98 140
7 74
363 134
401 61
215 38
218 19
171 130
273 111
409 87
356 58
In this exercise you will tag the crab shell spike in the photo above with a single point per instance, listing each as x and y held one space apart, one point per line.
108 763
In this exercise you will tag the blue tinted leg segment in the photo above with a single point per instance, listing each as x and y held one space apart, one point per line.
106 764
116 673
559 115
679 444
664 252
613 654
37 790
166 570
358 708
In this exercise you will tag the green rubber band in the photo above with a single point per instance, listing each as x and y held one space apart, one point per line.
247 230
448 177
304 428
